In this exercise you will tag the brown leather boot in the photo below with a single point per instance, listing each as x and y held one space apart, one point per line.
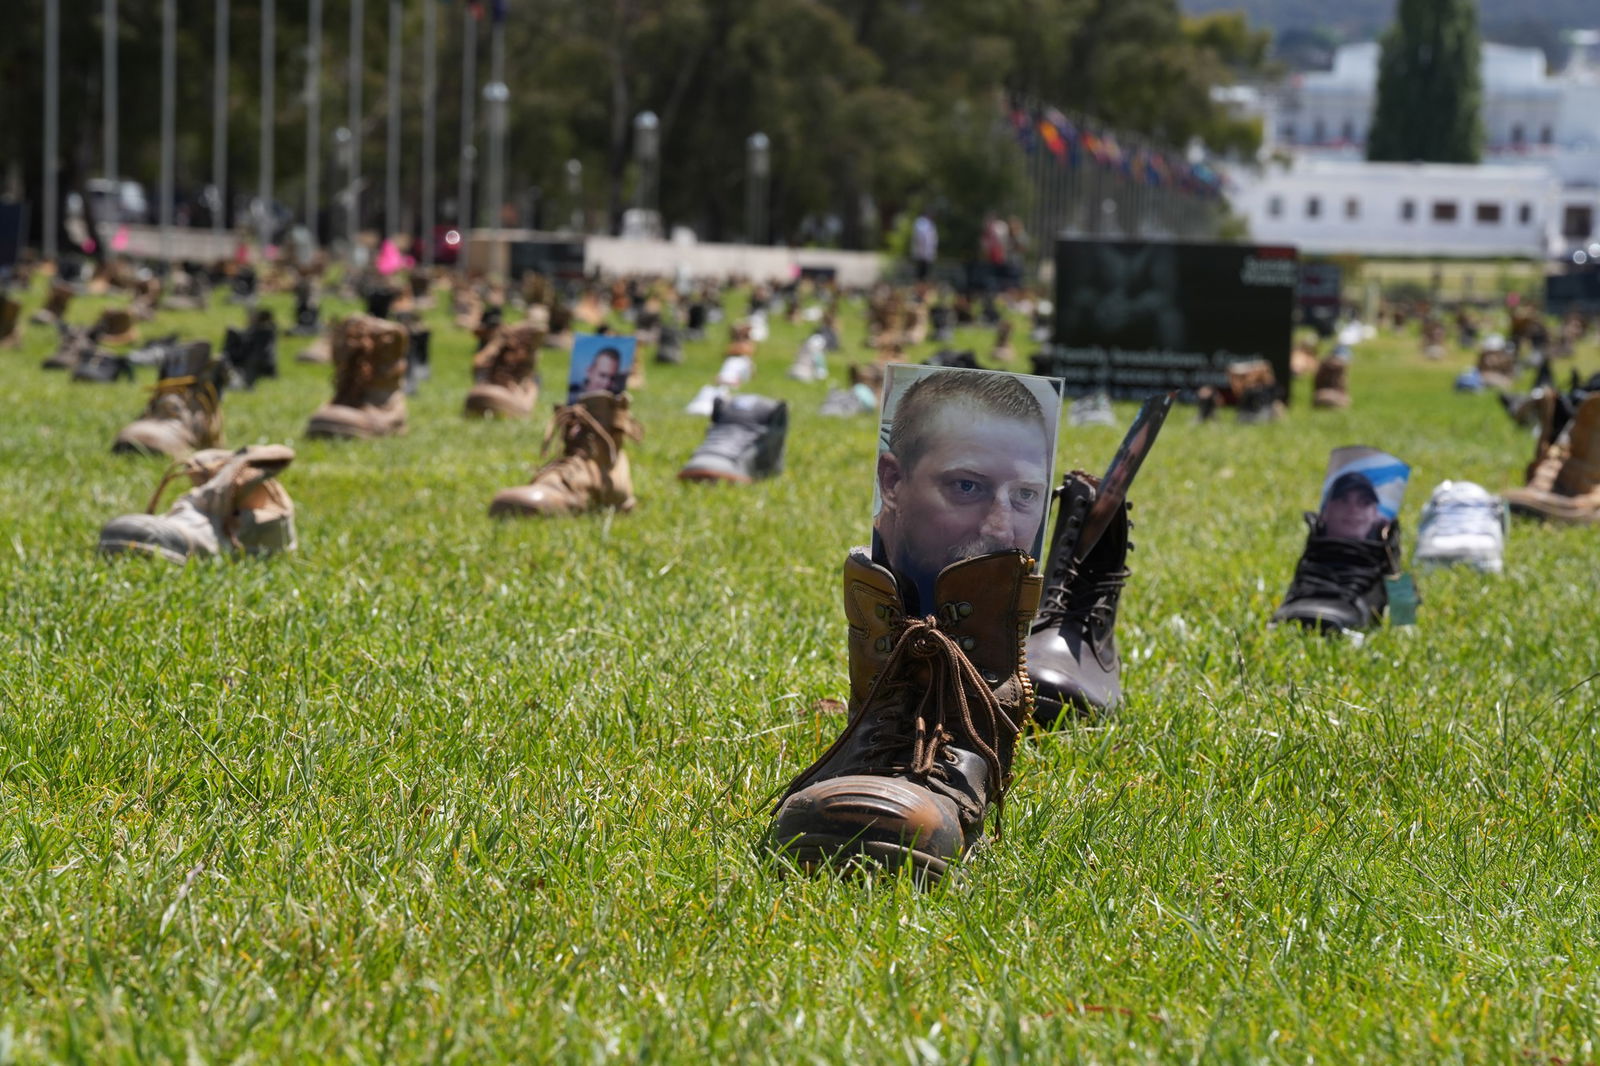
936 705
236 505
505 374
10 313
369 368
592 473
1565 483
55 305
1330 387
185 410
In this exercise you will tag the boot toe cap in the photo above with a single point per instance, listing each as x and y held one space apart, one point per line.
887 819
1328 616
528 501
150 437
147 534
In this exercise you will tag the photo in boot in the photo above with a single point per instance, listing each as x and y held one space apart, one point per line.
1352 545
964 468
600 363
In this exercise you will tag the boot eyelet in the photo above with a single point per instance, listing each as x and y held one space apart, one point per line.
968 643
964 610
993 679
882 644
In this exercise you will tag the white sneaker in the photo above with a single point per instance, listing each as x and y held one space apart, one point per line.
1462 523
1092 410
705 401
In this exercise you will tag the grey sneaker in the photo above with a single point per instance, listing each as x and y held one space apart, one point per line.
1092 410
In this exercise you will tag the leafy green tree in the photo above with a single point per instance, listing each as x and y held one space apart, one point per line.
1430 88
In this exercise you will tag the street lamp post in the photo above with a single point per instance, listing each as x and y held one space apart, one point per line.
574 169
495 97
758 168
646 152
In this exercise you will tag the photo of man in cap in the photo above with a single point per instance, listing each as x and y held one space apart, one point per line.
1351 509
964 470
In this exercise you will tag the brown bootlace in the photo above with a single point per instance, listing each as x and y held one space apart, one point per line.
206 394
952 677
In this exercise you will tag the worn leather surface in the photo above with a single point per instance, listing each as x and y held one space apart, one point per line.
863 792
592 472
369 368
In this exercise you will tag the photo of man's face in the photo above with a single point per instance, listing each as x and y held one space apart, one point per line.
966 473
1351 511
603 371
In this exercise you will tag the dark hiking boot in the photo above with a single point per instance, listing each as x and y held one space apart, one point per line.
745 441
10 315
251 354
419 367
1072 647
936 705
1339 583
592 473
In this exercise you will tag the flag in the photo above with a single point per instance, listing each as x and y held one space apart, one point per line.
1023 129
1052 139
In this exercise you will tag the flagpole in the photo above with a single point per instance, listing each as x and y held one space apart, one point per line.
269 18
169 118
219 119
430 116
109 63
391 184
313 119
469 77
353 189
496 93
52 123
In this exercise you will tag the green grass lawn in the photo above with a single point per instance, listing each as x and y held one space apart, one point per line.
436 788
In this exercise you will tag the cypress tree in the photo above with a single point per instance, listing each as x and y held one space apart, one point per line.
1430 87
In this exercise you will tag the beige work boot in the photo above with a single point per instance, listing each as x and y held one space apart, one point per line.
592 473
1330 387
185 409
236 505
936 706
505 374
1565 484
369 368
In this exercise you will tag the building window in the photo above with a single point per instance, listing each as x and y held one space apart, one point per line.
1288 132
1516 134
1524 214
1444 210
1319 132
1546 135
1577 221
1275 207
1487 214
1314 207
1348 134
1352 208
1408 210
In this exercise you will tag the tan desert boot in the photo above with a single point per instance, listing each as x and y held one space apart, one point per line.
369 368
505 374
1330 387
184 413
592 473
936 705
1565 483
236 505
10 314
55 305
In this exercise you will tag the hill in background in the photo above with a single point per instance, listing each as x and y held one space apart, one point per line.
1306 31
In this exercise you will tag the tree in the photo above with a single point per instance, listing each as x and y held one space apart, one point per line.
1430 88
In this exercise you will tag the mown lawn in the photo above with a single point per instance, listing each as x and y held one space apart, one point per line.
437 788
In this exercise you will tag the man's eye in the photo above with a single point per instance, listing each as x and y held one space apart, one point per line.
966 486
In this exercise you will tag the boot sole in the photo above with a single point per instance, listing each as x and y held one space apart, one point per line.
134 547
713 477
814 853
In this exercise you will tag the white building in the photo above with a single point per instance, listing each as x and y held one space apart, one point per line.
1537 193
1334 206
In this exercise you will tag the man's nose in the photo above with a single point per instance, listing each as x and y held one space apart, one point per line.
997 520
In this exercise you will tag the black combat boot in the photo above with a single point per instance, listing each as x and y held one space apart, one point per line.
1072 647
745 441
1339 583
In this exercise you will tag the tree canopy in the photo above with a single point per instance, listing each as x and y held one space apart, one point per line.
1430 87
872 106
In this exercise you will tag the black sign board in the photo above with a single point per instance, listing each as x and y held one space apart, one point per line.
1320 295
553 259
13 232
1136 318
1578 291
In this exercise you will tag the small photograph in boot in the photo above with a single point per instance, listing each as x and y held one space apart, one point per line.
1362 493
600 363
964 468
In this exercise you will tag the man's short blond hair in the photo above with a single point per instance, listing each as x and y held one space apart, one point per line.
985 395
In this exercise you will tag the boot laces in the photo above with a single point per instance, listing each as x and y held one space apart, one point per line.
956 705
1339 568
1081 595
